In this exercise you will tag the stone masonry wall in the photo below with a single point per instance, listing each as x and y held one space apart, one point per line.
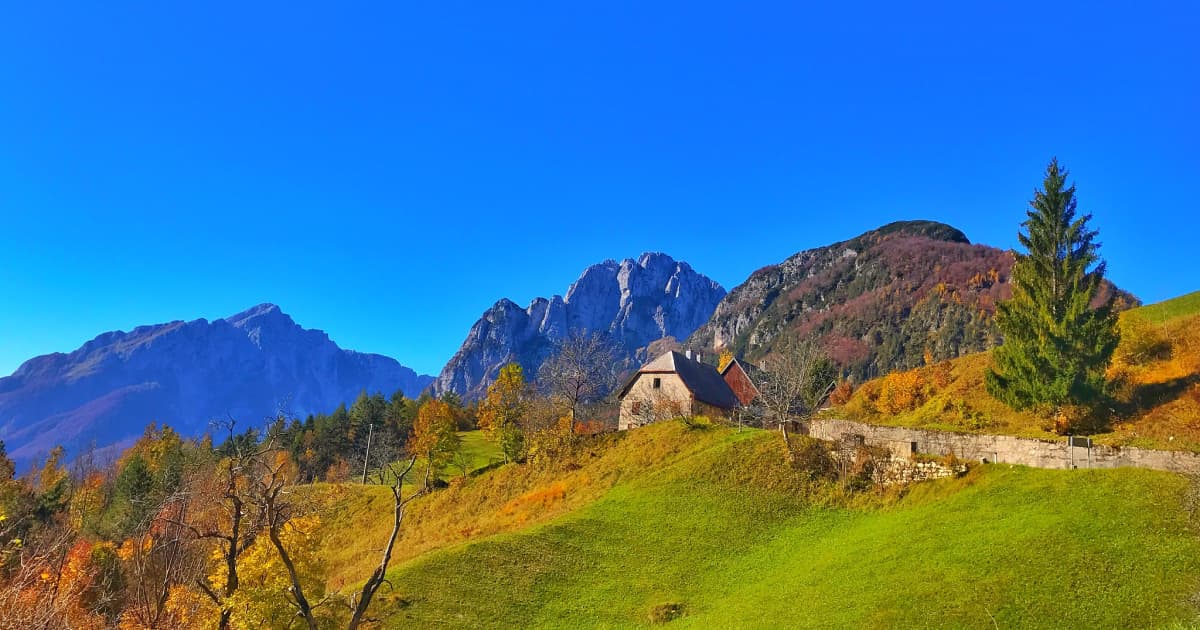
904 441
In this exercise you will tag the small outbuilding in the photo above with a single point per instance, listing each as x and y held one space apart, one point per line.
678 384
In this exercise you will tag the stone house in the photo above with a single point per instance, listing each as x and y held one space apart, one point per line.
677 384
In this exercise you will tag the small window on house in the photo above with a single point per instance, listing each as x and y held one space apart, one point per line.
637 406
657 383
914 447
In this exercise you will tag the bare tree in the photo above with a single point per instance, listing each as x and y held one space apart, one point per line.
269 490
796 380
213 505
166 552
581 370
33 593
655 406
362 600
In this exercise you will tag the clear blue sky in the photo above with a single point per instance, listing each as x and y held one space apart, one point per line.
386 172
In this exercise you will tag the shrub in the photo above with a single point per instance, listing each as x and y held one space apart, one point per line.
941 374
663 613
842 393
1077 420
900 392
812 456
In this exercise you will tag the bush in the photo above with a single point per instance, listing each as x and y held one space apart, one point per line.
1077 420
812 456
901 391
663 613
842 393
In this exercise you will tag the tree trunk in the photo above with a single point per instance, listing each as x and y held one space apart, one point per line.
297 591
787 441
377 576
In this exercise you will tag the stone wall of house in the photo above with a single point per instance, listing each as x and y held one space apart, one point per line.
644 403
905 441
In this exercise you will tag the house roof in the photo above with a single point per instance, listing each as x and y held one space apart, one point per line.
749 370
703 380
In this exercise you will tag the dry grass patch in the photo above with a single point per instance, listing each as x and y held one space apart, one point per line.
1155 380
507 498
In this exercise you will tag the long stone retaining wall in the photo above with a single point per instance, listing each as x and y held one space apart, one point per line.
903 441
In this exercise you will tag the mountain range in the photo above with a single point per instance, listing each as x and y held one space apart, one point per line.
632 302
892 298
249 366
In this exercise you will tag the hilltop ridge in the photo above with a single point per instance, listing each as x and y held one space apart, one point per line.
889 299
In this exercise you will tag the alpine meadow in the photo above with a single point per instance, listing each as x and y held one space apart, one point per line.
599 316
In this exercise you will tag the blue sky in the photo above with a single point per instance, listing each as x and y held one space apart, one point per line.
386 172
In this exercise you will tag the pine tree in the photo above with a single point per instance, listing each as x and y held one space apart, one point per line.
1057 342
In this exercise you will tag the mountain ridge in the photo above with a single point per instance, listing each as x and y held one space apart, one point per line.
634 302
890 298
178 372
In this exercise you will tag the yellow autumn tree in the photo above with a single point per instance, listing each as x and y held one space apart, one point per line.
504 408
262 599
434 437
725 359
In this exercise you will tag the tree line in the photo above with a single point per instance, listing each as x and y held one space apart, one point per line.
182 533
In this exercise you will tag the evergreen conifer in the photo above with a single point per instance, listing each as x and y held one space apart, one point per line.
1058 334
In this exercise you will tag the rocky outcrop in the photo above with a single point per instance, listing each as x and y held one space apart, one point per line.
249 367
634 302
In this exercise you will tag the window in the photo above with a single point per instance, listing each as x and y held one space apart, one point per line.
637 407
657 383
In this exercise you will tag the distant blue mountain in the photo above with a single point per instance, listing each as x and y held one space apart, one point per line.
248 366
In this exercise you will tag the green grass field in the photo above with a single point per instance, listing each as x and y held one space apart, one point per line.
722 530
1171 309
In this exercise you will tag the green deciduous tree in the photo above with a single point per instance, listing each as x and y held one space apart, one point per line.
1059 332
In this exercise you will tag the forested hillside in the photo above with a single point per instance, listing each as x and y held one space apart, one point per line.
894 298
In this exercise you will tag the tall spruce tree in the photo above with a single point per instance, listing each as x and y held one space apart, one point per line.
1057 340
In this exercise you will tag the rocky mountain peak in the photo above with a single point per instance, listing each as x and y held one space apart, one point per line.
635 302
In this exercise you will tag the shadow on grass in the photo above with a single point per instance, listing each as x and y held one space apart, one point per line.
1148 396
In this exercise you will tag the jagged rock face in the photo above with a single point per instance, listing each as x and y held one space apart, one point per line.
634 302
186 374
892 298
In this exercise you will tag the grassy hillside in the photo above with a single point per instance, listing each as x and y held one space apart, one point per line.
711 525
1156 377
1181 306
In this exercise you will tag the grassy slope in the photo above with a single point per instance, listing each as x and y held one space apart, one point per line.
712 520
1160 402
1171 309
504 499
